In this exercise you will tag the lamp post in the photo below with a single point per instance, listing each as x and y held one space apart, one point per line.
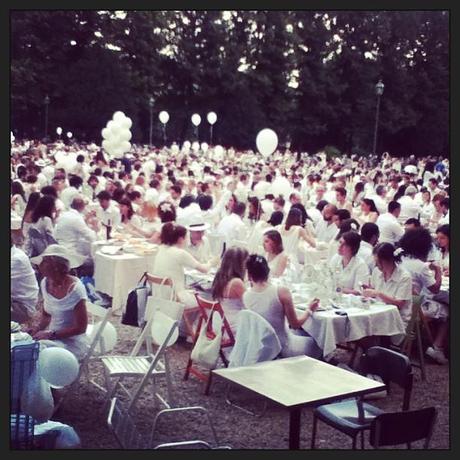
379 87
46 101
151 102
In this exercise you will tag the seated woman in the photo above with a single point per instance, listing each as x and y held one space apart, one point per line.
276 306
130 222
369 212
228 286
172 258
426 281
389 282
292 233
64 319
274 252
443 237
350 270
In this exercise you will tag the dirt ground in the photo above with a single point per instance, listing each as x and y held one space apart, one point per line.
86 411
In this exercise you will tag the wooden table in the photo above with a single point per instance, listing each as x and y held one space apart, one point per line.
299 382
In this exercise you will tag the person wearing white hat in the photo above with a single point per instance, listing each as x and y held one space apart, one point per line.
64 318
197 243
23 283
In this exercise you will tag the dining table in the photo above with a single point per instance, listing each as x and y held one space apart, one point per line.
299 382
118 266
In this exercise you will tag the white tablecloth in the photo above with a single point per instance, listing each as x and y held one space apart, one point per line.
117 275
328 328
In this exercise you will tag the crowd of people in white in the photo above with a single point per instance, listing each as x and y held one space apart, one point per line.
384 221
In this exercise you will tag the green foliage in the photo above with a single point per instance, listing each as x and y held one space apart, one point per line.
309 75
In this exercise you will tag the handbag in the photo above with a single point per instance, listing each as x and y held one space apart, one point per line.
135 305
207 346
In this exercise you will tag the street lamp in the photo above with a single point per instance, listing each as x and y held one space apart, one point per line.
379 87
47 103
151 102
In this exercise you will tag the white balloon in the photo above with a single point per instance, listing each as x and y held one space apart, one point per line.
118 116
164 117
125 146
266 142
69 134
58 366
174 148
59 130
12 136
186 145
125 135
105 133
195 146
106 145
196 119
126 123
204 147
212 118
108 338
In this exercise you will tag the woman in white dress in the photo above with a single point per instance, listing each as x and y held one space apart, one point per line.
130 222
369 212
351 271
292 233
172 258
277 259
228 285
275 304
64 318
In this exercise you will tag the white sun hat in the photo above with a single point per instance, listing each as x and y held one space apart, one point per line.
196 223
57 250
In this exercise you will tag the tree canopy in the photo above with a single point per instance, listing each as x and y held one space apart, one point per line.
308 75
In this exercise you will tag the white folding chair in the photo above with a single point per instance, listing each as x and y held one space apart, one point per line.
164 333
123 426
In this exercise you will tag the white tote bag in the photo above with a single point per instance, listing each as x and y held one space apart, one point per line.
206 349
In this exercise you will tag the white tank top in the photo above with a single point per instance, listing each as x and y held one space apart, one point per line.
267 304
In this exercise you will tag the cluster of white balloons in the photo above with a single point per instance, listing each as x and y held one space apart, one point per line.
117 135
266 142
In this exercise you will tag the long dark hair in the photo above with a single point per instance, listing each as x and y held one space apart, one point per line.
275 237
255 211
30 206
126 202
294 217
17 189
371 204
45 207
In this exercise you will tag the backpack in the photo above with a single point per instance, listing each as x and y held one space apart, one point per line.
136 304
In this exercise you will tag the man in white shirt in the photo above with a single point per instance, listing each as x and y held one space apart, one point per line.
379 199
409 207
390 229
69 193
326 229
232 227
23 287
369 237
445 211
107 212
72 231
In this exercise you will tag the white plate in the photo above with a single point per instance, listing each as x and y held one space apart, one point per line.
110 250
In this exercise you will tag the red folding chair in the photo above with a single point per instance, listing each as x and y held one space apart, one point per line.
228 340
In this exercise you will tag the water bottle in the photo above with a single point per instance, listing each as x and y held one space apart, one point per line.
108 229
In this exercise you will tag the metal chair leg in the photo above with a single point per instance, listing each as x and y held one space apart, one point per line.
420 351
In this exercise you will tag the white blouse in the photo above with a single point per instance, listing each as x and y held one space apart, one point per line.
353 275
